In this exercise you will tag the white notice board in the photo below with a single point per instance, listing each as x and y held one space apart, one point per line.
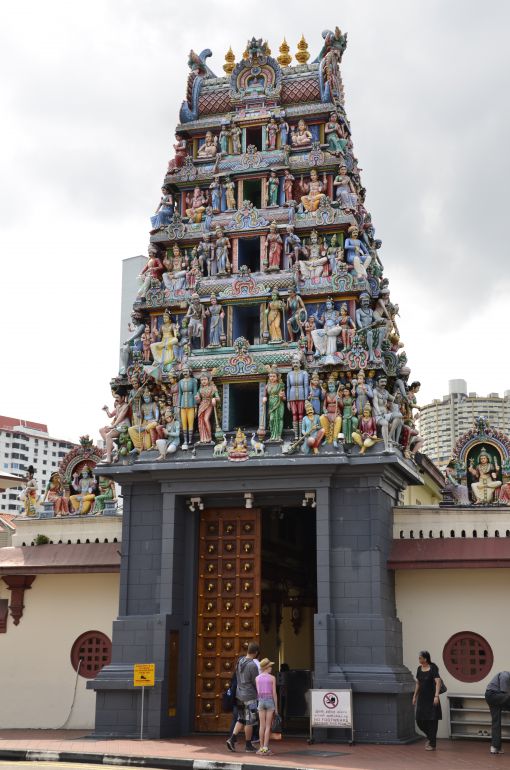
331 708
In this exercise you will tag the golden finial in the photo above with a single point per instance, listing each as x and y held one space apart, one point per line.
246 53
266 49
302 54
284 58
230 61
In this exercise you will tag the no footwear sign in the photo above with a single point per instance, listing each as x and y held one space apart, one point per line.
331 708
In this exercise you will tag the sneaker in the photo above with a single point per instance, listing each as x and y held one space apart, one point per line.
249 747
261 751
430 748
231 743
494 750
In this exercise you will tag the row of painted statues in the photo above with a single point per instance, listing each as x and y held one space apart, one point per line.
277 132
86 494
306 195
179 271
352 409
329 333
484 483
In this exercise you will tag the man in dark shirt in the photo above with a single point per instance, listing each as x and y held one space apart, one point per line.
246 695
497 696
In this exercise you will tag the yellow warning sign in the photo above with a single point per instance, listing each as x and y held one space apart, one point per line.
144 674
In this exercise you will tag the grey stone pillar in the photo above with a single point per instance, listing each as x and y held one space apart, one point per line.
364 636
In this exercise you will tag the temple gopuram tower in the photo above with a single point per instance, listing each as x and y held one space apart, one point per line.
263 421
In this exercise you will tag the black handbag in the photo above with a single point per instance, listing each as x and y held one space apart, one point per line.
443 688
276 724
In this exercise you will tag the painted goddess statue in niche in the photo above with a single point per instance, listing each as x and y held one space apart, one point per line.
274 396
274 317
484 477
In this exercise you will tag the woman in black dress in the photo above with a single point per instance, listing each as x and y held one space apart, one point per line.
426 699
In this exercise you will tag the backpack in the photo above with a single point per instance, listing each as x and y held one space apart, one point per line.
228 697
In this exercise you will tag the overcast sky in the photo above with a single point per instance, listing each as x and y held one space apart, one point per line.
89 100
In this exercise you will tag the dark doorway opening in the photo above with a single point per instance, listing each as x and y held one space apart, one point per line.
252 191
246 323
288 605
254 136
248 253
243 410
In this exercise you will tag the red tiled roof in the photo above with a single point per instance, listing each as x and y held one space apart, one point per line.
77 557
450 553
9 518
8 423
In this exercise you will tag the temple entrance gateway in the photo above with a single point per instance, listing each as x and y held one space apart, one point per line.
256 580
228 615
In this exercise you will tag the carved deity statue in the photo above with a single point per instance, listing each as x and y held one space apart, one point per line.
288 186
188 389
297 390
206 398
216 330
345 192
484 477
84 487
210 146
55 494
272 130
301 136
221 251
196 205
274 248
165 211
235 135
273 185
314 191
143 434
331 419
273 316
164 350
335 135
230 193
274 396
195 315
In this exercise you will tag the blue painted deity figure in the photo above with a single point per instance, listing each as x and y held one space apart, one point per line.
313 431
165 211
216 330
221 248
284 130
356 253
216 189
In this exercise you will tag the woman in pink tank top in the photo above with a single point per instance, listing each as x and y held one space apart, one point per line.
267 703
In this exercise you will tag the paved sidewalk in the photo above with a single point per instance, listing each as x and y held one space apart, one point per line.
210 753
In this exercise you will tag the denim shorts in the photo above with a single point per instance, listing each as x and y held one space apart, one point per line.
266 704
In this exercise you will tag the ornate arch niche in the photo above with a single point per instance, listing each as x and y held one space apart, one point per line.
77 459
257 76
472 456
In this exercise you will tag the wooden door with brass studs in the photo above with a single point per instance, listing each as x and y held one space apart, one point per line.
228 606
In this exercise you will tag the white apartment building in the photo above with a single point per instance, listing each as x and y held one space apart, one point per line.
24 443
444 421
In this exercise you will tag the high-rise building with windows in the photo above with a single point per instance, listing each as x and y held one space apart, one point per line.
24 443
444 420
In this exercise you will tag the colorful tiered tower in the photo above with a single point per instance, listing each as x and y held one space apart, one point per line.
264 373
